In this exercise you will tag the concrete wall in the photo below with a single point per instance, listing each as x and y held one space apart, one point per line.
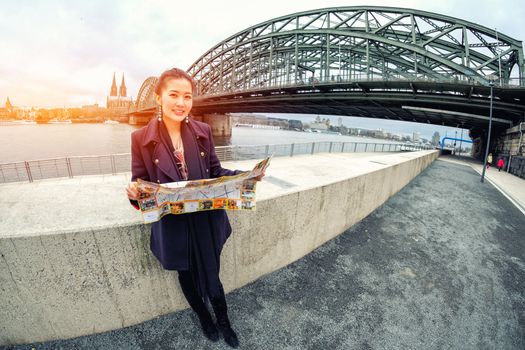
77 282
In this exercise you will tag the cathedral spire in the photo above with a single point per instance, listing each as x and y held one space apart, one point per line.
122 89
8 104
113 91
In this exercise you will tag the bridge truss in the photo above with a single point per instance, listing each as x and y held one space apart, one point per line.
350 44
146 95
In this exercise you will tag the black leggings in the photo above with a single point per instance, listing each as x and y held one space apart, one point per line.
187 284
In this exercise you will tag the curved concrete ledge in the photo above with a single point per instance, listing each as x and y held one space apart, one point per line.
82 265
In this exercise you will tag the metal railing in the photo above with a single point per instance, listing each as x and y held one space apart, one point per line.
314 82
118 163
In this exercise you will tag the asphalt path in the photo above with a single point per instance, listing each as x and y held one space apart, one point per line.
441 265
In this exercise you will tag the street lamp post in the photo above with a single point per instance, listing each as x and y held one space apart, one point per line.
455 140
461 139
491 83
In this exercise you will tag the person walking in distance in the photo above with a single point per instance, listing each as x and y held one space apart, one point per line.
501 164
489 160
174 147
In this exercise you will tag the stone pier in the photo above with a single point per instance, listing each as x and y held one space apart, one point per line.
220 123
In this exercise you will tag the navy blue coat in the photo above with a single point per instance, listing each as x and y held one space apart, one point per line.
151 161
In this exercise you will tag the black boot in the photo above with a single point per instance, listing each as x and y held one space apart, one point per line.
223 323
197 305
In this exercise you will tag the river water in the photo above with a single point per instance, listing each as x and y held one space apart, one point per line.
41 141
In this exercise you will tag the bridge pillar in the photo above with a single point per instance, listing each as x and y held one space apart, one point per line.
220 123
123 119
478 148
511 141
140 118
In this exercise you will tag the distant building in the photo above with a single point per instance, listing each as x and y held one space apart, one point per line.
8 105
11 112
118 103
6 111
319 124
295 124
435 139
396 137
379 133
415 136
340 122
92 110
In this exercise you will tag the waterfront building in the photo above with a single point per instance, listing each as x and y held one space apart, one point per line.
320 124
7 110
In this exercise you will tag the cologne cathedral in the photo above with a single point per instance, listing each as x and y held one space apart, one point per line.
117 102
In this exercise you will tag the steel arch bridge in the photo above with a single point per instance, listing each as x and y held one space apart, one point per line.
379 62
357 43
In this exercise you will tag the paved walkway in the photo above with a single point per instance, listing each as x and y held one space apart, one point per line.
441 265
510 185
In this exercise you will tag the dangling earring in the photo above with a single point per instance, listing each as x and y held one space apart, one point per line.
187 119
159 113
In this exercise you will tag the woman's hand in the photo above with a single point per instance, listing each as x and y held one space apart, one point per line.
259 178
132 191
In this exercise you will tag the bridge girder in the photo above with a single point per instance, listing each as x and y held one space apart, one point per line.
426 102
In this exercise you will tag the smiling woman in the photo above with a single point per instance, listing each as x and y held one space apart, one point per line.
174 147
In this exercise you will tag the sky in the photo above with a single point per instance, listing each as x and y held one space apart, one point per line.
64 53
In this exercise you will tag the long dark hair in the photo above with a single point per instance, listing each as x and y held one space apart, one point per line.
174 73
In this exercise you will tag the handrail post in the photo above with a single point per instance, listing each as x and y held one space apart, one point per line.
267 150
366 147
330 150
56 167
291 149
68 165
28 170
355 146
113 167
313 148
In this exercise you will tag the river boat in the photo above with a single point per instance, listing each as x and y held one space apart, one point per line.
59 121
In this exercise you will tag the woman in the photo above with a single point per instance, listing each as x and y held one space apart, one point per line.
174 147
501 164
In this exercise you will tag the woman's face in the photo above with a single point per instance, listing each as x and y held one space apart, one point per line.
176 99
